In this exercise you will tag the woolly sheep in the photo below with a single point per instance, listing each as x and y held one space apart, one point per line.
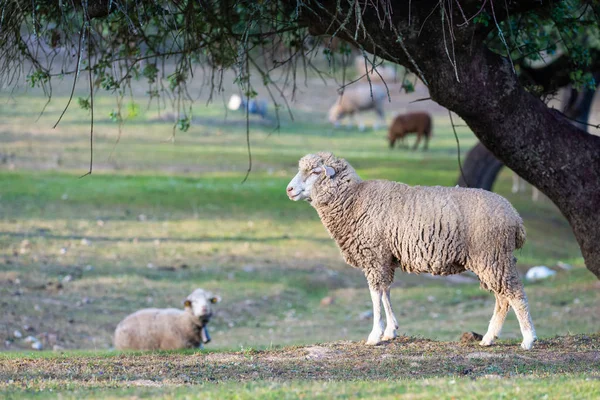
415 122
168 328
362 97
381 225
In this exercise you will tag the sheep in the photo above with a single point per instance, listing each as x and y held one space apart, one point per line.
255 106
416 122
168 328
381 225
367 72
362 97
519 186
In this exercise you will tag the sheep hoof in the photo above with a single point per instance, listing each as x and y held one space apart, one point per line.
527 343
374 340
389 336
486 342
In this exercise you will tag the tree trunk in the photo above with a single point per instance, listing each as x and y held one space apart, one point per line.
480 169
538 143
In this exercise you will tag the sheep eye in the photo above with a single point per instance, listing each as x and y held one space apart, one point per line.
213 300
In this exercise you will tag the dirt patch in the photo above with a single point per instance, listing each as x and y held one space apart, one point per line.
400 358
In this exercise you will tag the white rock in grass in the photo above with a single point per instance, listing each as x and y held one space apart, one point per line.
85 242
539 273
37 346
30 339
17 334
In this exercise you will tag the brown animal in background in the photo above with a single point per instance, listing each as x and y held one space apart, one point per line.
416 122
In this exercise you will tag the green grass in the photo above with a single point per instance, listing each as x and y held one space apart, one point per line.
158 218
567 387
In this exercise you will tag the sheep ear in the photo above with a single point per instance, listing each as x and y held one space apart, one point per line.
330 172
215 299
187 303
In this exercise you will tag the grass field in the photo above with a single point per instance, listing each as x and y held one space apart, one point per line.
159 217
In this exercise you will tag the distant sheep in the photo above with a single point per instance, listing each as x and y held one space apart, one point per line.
415 122
380 73
359 98
255 106
519 186
168 328
381 225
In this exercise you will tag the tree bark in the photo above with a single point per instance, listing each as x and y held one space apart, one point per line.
538 143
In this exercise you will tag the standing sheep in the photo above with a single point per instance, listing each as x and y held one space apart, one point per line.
381 225
168 328
362 97
416 122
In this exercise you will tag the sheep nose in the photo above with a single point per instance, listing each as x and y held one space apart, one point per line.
290 189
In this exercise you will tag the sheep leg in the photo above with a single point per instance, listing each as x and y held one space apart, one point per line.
392 323
500 311
515 184
417 142
519 304
375 335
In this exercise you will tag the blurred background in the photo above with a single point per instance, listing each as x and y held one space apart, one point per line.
165 211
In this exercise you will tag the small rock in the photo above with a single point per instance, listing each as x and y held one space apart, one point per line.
28 328
327 301
141 217
564 266
30 339
17 334
7 343
100 222
67 278
430 299
469 337
86 300
366 315
37 346
576 300
89 267
85 242
57 347
150 265
539 273
248 268
63 250
64 196
37 307
157 242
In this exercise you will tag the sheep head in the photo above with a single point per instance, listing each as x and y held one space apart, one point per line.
199 305
321 177
335 112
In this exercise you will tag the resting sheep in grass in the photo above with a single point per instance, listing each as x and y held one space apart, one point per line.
168 328
362 97
415 122
381 225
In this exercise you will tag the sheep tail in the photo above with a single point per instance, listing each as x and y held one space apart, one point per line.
520 236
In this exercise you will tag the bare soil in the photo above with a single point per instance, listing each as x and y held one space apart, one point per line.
401 358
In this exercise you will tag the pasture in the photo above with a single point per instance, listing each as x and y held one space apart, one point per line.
162 215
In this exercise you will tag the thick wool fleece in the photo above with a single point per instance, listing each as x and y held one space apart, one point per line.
382 225
159 329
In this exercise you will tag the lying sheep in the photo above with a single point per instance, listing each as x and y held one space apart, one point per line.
255 106
381 225
416 122
362 97
168 328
